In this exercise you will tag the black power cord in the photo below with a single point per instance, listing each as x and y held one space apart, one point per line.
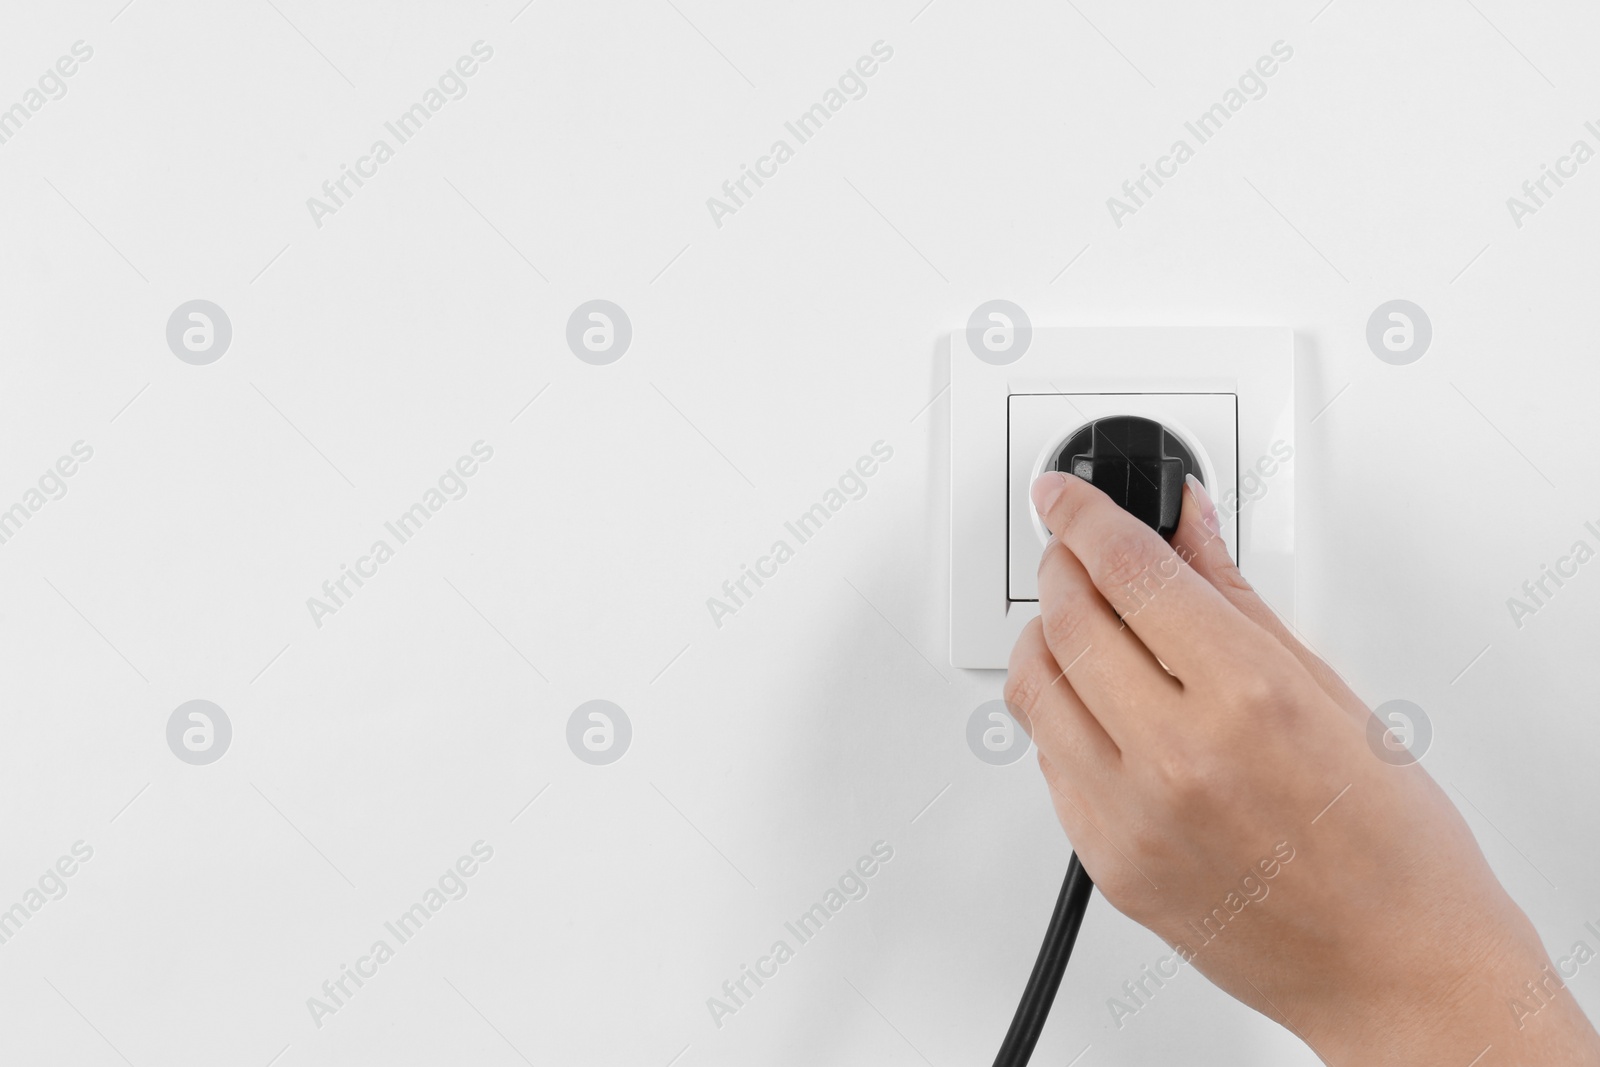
1040 993
1107 453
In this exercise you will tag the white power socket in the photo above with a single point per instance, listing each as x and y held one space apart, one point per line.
1227 393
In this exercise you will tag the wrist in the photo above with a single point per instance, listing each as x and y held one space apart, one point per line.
1499 1001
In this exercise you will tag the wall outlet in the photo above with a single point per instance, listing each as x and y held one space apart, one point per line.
1227 394
1039 424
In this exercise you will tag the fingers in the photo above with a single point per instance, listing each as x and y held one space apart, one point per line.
1113 673
1072 812
1179 616
1087 824
1053 713
1199 541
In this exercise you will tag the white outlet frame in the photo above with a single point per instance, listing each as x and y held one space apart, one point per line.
1254 363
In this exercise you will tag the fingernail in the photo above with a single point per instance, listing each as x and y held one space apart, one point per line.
1208 510
1047 489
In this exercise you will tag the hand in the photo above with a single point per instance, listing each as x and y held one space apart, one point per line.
1215 778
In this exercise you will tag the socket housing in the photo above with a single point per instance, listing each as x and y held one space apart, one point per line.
1228 392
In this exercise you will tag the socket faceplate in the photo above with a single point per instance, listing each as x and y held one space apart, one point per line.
1187 378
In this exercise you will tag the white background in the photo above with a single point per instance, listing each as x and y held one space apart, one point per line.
768 354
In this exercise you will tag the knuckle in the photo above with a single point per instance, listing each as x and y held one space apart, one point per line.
1190 784
1024 689
1177 772
1257 690
1064 626
1066 511
1051 547
1147 839
1232 579
1127 560
1191 780
1024 693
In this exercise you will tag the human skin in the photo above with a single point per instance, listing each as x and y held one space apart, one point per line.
1385 938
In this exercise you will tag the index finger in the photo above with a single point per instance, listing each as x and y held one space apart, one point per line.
1159 597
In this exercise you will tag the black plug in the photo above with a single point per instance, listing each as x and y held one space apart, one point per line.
1137 462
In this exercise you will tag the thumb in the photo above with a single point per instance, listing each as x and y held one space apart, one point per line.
1198 540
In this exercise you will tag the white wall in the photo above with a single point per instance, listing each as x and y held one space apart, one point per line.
768 354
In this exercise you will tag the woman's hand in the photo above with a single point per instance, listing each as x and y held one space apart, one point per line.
1216 780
